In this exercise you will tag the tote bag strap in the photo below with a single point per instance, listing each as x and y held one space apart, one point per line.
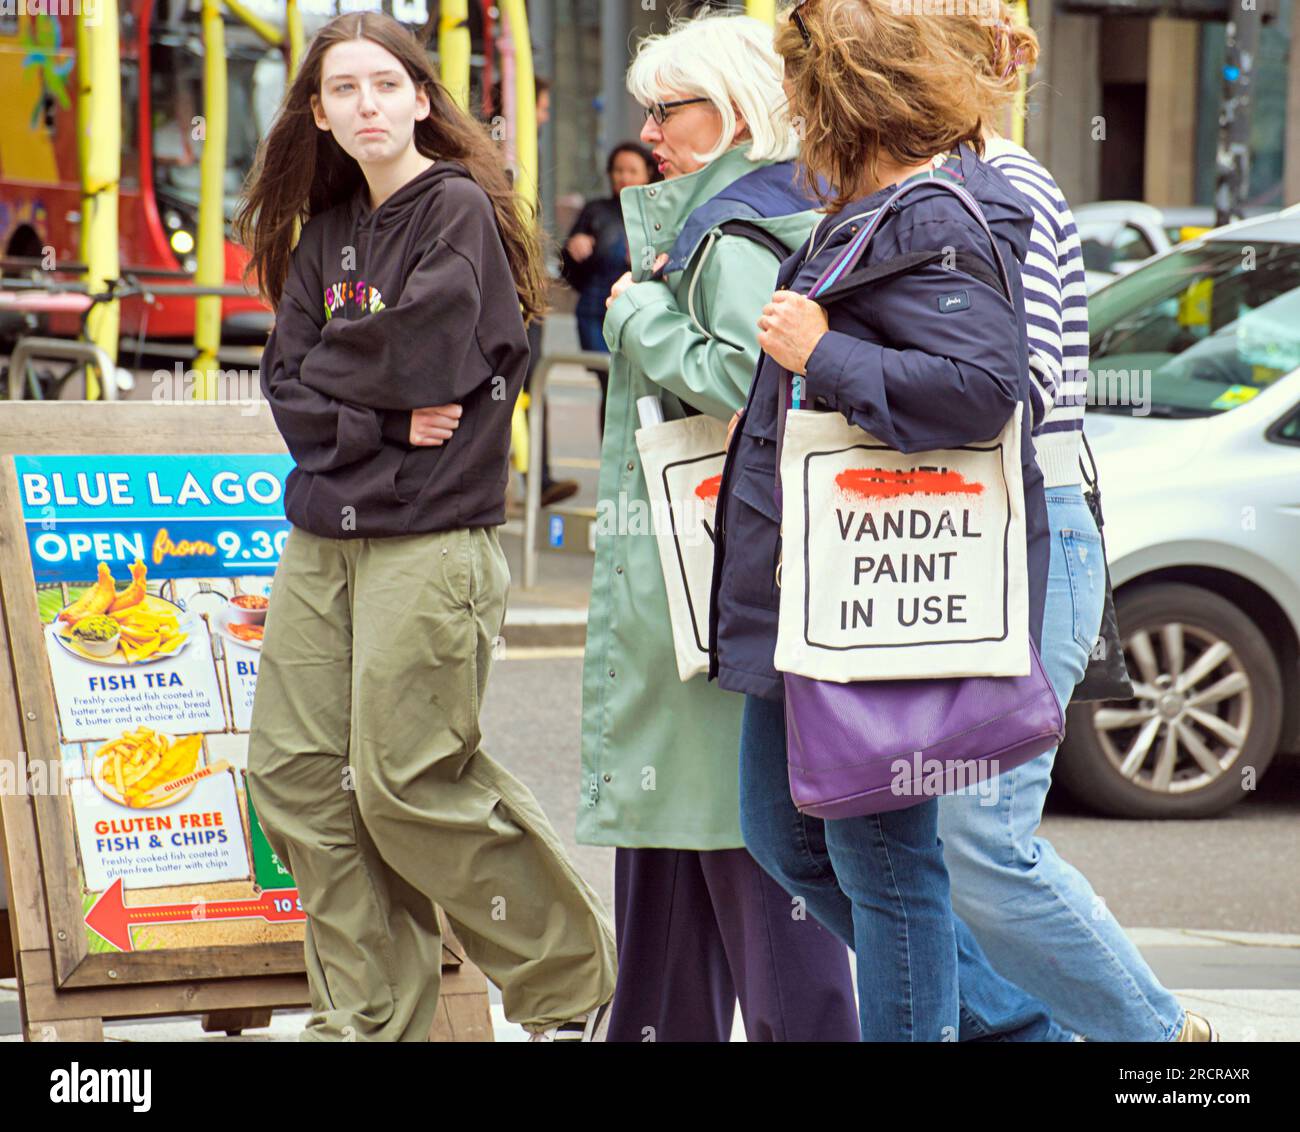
848 259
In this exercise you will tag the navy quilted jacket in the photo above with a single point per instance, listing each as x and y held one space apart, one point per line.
915 371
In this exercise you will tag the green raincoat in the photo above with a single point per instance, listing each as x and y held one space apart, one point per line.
659 756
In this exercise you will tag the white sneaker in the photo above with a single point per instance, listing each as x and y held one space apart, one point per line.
580 1029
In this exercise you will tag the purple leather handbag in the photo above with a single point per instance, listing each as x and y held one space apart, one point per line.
873 746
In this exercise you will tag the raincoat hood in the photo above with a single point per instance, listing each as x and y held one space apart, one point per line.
674 216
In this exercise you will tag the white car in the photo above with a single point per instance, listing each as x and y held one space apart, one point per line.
1117 236
1200 478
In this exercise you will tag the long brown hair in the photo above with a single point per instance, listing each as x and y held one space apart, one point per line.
301 170
879 77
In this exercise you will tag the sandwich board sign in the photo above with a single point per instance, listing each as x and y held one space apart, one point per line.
137 548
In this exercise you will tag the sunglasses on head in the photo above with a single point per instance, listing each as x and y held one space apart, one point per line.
796 18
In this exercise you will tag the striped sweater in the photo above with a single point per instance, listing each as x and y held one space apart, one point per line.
1056 314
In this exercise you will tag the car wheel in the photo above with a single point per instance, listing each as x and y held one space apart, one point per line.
1206 720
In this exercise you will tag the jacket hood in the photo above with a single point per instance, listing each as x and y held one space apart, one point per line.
767 192
1005 208
1008 214
656 217
382 238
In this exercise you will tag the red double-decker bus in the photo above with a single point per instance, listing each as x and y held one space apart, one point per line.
162 61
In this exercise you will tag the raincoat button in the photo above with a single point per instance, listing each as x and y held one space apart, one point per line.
631 466
608 777
658 227
653 193
611 674
618 569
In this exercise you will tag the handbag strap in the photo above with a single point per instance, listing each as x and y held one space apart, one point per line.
847 260
1091 482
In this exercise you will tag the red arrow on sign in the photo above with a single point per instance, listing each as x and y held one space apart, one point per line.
111 917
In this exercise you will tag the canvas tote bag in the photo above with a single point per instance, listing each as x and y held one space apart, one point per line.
899 566
683 462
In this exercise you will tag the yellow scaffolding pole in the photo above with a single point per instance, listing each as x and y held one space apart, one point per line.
99 148
211 238
454 49
1022 82
516 15
269 32
525 102
212 219
764 10
293 25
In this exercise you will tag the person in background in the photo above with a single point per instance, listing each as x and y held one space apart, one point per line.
596 252
1035 915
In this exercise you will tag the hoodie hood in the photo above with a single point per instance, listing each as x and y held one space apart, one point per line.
402 205
393 226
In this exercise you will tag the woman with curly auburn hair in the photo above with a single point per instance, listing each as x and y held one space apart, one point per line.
883 100
1062 942
397 354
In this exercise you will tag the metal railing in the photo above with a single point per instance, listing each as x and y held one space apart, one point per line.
82 349
588 359
66 348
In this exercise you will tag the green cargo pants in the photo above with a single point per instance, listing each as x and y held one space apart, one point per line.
369 780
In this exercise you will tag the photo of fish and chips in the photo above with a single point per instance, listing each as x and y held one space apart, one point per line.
137 768
130 626
127 626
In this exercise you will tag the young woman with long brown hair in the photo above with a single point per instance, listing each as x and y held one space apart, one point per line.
398 352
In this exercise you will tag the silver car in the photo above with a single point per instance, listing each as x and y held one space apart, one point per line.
1195 420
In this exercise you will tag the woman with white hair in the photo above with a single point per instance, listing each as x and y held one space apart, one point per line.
698 922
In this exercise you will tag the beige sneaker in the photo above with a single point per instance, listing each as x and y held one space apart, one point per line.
1196 1028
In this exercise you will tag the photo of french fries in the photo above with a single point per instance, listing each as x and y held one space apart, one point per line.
130 769
124 627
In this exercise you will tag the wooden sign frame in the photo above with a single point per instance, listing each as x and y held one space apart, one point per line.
65 992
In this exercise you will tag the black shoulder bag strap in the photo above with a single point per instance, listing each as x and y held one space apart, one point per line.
1106 677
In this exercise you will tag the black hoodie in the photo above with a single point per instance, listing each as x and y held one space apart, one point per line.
409 306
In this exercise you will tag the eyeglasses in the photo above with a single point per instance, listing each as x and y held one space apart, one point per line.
659 110
797 19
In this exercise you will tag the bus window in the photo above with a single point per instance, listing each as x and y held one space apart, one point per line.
255 85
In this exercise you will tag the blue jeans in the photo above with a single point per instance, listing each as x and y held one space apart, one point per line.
591 328
879 884
1036 916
